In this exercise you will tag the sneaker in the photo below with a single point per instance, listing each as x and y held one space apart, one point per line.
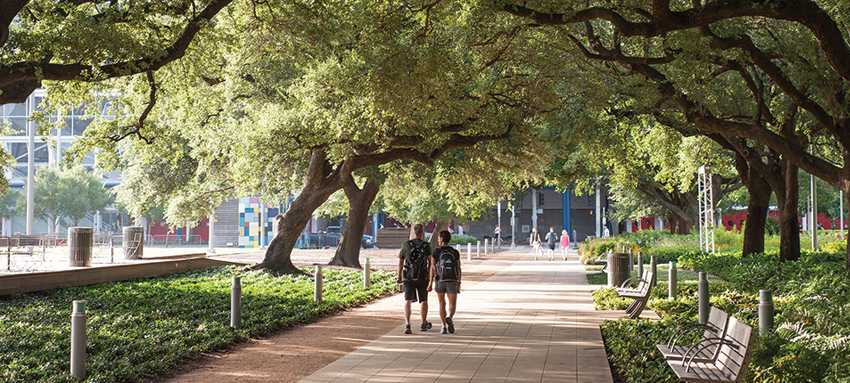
443 330
451 324
407 329
425 326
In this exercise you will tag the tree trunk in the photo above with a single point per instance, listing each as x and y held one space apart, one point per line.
321 180
758 207
438 227
359 201
789 226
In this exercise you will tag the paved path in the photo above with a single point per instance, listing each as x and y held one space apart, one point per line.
532 322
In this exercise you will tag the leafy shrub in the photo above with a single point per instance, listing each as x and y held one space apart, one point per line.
145 326
463 239
811 296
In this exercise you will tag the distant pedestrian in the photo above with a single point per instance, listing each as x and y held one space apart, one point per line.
565 243
415 272
552 241
447 275
534 240
497 233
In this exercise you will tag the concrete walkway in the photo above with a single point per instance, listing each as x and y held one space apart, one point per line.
532 322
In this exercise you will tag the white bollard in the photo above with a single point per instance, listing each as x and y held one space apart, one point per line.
317 296
478 249
236 302
367 277
78 340
485 246
468 251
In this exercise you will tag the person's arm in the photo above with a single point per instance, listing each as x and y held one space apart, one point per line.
459 270
430 272
400 268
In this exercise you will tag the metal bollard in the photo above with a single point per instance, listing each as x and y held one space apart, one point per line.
236 302
478 249
640 264
367 275
702 288
78 339
485 246
631 262
672 279
654 268
765 311
468 251
317 296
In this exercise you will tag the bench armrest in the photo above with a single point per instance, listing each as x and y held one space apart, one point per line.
623 286
682 330
702 345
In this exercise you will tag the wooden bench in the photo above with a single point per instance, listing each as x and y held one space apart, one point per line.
731 362
714 329
640 294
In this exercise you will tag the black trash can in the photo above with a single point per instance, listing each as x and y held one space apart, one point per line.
80 241
618 269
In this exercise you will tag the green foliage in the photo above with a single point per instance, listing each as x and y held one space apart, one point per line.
811 342
9 204
68 194
631 348
147 326
463 239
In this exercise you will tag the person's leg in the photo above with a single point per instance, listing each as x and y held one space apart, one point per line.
452 298
442 298
407 312
424 311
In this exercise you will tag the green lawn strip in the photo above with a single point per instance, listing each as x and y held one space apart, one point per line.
142 327
811 342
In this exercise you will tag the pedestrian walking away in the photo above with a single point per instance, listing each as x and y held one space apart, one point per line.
447 276
552 241
565 243
534 240
415 273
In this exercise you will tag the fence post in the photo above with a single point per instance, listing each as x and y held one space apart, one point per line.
765 311
640 264
672 279
702 288
367 277
654 268
78 339
236 302
318 290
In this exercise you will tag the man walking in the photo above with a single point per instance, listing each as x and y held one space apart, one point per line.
552 241
415 272
446 280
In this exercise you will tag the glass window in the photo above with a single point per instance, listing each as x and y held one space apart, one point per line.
18 110
42 153
80 126
18 124
19 151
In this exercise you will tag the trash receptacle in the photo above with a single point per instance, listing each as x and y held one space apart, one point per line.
618 269
80 241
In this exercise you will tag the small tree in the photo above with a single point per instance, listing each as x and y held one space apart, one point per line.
69 194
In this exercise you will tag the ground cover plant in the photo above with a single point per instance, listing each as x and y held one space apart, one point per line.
139 328
811 297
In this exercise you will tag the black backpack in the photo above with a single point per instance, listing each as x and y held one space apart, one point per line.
416 263
447 268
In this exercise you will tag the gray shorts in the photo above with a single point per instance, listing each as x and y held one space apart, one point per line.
447 287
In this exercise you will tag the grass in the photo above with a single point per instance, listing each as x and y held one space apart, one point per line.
139 328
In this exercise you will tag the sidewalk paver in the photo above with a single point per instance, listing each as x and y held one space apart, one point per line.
532 322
